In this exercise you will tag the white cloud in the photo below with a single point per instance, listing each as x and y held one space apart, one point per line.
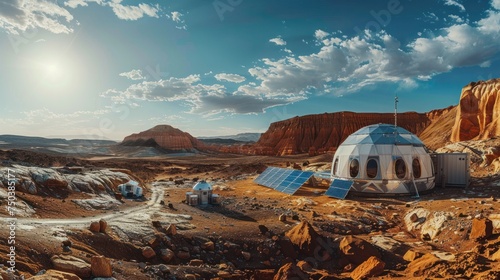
278 41
19 15
320 34
133 75
75 3
456 19
495 4
455 3
133 12
176 16
349 64
235 78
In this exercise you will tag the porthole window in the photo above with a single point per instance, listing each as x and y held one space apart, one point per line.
372 168
354 168
400 168
335 166
415 165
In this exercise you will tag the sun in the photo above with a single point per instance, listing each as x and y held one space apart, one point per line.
53 71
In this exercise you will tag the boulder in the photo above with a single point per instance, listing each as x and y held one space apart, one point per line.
481 229
305 238
103 225
357 250
411 255
95 227
171 229
52 274
208 246
419 266
71 264
183 255
196 262
290 271
373 266
101 266
148 252
167 255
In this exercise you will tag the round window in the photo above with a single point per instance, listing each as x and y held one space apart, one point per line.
417 172
354 168
400 167
372 168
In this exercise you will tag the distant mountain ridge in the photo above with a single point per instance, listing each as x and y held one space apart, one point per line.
240 137
31 141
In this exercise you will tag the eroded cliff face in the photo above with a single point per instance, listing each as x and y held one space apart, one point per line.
478 112
167 137
316 134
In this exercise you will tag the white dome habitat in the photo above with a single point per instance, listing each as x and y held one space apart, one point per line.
384 159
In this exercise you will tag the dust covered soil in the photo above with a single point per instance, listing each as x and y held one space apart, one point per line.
255 232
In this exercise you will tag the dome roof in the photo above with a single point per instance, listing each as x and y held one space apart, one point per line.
202 186
383 134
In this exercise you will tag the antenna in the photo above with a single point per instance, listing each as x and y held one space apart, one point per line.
396 111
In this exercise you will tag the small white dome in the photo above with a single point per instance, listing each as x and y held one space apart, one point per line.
202 186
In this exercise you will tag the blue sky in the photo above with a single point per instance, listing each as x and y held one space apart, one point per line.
109 68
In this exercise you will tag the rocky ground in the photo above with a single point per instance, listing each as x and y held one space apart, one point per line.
255 232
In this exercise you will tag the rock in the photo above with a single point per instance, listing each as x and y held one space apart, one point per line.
325 132
263 274
196 262
67 242
164 136
290 271
209 246
156 224
481 229
304 237
263 229
148 252
419 266
373 266
282 218
103 225
101 266
357 250
52 274
477 116
154 242
414 218
246 255
171 229
71 264
411 255
304 266
287 248
495 256
95 227
167 255
183 255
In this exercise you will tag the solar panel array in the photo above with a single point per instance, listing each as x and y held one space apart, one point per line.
284 180
339 188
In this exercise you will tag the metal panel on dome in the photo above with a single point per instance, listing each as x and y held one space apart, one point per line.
284 180
339 188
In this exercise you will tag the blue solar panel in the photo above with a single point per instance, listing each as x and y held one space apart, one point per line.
339 188
283 180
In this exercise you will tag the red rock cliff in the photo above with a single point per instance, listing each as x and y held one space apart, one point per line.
478 112
325 132
167 137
